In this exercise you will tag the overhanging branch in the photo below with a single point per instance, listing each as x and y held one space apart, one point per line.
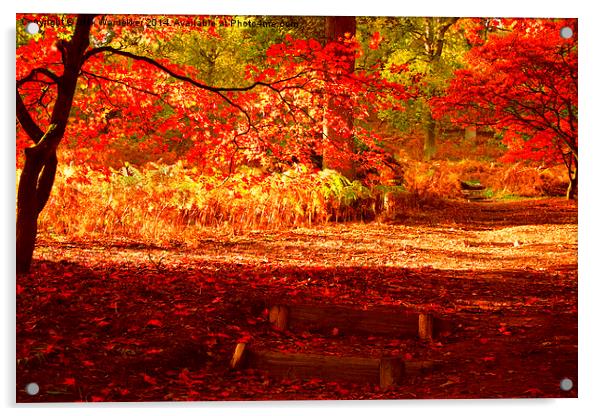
217 90
181 77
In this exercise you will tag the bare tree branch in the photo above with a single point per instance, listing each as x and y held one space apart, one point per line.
31 77
27 122
181 77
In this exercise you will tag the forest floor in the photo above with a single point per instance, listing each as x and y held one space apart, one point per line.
128 321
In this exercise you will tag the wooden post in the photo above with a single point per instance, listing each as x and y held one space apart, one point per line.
279 317
239 356
391 372
425 327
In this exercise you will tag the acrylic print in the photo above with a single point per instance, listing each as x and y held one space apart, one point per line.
216 208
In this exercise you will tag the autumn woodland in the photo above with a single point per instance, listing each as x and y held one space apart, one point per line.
295 208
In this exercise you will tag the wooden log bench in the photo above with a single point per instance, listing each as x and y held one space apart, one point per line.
384 371
377 320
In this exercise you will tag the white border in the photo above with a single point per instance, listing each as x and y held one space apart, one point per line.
589 221
520 8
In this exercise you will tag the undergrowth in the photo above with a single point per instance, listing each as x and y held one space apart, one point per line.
172 203
441 179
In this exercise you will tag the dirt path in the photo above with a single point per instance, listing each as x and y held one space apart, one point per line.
126 321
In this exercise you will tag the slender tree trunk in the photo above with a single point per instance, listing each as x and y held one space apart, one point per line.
435 29
336 28
430 138
470 133
571 192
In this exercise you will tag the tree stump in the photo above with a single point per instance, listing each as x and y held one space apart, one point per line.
278 317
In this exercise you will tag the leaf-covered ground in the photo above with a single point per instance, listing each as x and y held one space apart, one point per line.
128 321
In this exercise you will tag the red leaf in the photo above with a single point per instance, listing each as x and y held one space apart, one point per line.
149 379
534 391
154 322
183 376
375 40
69 381
314 381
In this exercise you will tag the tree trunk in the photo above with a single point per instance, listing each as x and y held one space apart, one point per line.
34 189
336 28
470 133
39 170
430 139
435 29
571 192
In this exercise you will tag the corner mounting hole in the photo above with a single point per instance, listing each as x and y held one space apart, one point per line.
32 28
566 32
566 384
32 389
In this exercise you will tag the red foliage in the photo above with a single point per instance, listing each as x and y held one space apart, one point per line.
523 81
279 112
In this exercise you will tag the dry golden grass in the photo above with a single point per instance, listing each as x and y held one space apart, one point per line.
173 204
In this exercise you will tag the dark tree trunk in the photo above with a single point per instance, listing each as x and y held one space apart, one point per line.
35 185
37 177
336 28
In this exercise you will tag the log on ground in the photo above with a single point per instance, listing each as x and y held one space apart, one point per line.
378 320
385 371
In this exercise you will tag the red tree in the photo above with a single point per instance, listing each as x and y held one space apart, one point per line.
86 82
522 80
